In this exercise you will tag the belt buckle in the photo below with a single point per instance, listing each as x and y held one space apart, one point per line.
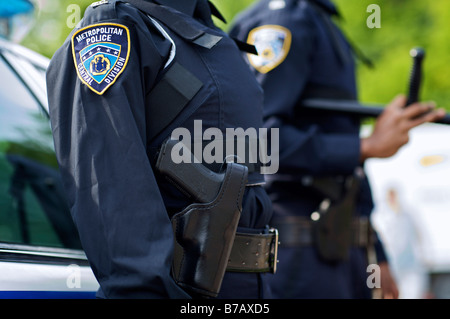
274 250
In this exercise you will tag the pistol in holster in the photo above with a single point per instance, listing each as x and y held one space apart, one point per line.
332 228
204 231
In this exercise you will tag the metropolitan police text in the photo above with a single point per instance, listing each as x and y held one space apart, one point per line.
101 34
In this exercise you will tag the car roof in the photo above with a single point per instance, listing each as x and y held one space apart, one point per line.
30 66
28 54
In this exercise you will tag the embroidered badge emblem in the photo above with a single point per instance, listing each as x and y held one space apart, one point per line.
101 53
273 43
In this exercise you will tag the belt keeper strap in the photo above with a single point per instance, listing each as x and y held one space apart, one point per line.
254 252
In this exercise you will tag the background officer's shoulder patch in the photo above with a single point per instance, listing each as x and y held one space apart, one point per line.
101 52
273 43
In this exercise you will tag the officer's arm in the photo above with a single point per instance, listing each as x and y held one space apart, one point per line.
101 148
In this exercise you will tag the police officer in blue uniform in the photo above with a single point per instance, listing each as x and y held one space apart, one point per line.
126 77
322 200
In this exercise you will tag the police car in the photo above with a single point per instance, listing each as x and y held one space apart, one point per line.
40 252
412 211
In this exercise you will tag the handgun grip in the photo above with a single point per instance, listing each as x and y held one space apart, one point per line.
192 178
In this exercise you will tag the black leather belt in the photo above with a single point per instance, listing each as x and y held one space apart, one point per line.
254 252
298 231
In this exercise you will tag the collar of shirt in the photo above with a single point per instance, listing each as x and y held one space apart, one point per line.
185 6
328 6
200 9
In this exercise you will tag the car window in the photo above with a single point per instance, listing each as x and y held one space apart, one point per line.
33 208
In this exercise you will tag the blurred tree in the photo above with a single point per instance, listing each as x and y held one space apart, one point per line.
404 25
53 23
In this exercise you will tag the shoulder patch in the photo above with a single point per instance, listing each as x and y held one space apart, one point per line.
100 53
273 43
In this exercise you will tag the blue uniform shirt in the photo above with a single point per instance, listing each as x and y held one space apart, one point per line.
99 82
303 54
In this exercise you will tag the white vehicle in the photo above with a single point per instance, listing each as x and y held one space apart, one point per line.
40 253
412 211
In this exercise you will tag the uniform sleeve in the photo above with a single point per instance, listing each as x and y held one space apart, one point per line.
100 143
305 149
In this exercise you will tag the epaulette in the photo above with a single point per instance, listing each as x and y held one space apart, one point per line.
99 3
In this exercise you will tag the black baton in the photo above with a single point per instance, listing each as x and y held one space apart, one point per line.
415 80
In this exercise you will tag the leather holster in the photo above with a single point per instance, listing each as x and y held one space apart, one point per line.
204 235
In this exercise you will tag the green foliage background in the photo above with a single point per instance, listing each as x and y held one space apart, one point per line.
404 25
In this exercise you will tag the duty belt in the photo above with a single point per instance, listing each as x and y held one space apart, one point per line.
254 252
297 231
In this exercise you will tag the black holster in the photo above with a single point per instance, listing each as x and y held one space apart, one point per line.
332 230
204 235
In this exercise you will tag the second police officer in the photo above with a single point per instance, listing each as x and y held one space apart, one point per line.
322 200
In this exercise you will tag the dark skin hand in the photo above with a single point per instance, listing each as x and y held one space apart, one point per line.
392 127
389 289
